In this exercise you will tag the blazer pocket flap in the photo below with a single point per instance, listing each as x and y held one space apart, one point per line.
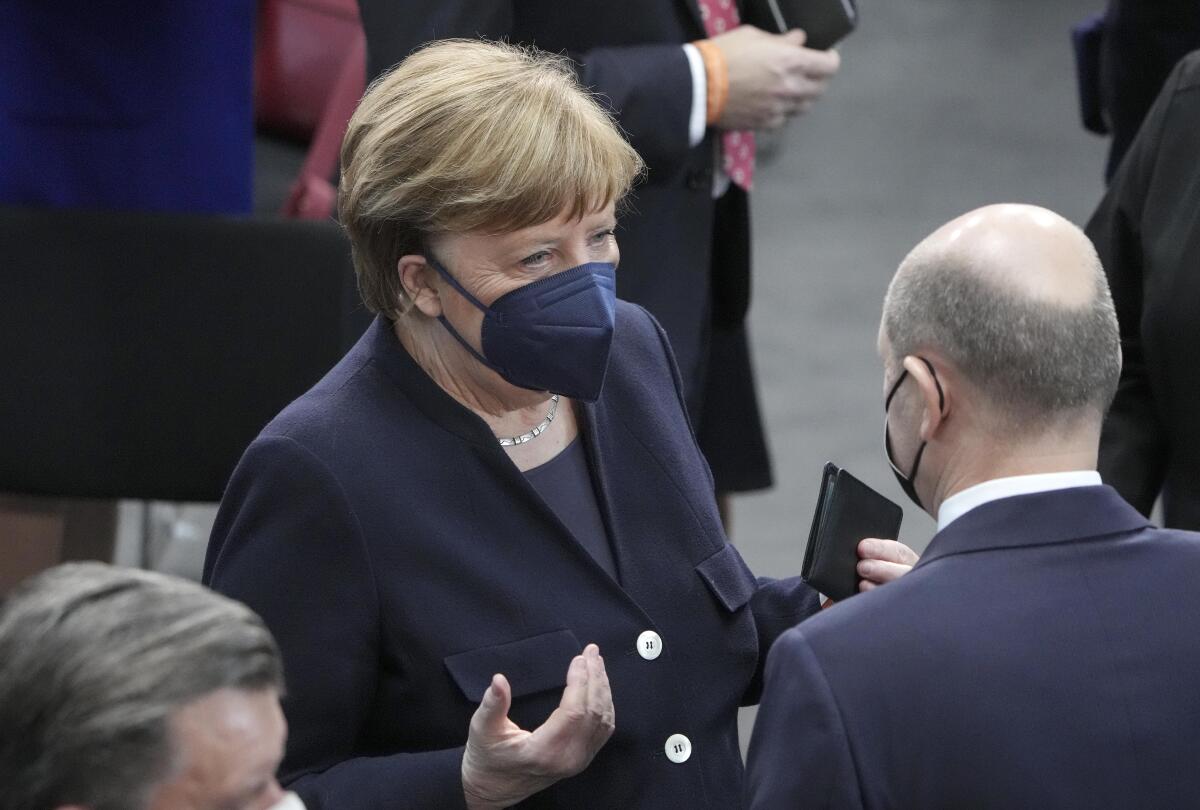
728 577
531 665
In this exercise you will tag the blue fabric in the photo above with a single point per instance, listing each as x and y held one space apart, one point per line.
1043 653
382 532
565 484
127 105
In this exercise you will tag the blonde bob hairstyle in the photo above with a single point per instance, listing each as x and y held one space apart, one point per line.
471 136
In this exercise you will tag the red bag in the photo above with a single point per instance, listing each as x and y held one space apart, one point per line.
309 74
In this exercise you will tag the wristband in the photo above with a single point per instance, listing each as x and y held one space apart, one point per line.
716 74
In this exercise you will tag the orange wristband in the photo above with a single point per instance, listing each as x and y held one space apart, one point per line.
716 75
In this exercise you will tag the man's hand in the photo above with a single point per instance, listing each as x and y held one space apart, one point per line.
771 76
881 561
504 764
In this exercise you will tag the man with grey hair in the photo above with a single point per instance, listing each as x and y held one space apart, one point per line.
128 690
1043 652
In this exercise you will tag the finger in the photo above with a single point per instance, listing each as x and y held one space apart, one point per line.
796 37
773 120
600 703
574 697
492 714
818 64
866 585
802 88
881 572
872 548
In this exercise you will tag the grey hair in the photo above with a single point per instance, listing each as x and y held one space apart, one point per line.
1038 362
94 660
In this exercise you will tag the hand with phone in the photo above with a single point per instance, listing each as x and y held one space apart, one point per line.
772 77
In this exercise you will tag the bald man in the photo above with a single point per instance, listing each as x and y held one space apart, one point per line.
1044 652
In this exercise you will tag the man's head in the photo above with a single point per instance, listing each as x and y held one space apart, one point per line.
127 690
1003 321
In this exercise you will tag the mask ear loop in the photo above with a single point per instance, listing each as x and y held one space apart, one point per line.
887 438
487 313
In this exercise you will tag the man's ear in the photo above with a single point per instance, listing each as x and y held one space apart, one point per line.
416 277
935 393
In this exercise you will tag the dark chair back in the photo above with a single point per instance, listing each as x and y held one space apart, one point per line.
141 353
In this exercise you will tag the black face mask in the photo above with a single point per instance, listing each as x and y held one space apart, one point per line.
908 483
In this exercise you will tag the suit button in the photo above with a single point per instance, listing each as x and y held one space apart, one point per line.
700 179
649 645
678 748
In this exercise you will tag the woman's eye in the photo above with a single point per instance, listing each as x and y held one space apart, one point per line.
603 236
536 258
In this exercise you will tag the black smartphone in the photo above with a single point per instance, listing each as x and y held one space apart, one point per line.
826 22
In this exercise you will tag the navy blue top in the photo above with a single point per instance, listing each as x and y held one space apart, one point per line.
565 484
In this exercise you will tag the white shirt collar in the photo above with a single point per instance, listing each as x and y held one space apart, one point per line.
960 503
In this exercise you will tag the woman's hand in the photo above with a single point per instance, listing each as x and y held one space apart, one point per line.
504 764
881 561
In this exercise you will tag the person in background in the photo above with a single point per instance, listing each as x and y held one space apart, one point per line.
497 483
129 690
1139 43
689 81
1042 652
1147 232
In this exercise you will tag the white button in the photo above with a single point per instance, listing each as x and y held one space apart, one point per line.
678 748
649 645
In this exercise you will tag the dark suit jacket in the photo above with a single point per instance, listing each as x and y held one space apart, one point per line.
1143 40
1043 653
628 51
401 559
1147 232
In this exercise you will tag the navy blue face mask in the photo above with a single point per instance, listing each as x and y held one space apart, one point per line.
553 334
908 483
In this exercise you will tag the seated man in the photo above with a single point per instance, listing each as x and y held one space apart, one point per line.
126 689
1043 651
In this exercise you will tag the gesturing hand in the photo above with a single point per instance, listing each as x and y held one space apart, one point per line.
881 561
504 764
771 76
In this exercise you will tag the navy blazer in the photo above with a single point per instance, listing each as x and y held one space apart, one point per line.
1043 653
401 559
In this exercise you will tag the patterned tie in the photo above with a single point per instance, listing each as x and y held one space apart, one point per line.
737 148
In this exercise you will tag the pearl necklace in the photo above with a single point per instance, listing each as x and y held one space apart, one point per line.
536 431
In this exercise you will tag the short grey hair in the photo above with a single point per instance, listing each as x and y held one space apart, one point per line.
94 660
1036 361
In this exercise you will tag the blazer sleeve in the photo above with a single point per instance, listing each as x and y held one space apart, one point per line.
649 90
799 753
777 604
287 543
647 87
1133 446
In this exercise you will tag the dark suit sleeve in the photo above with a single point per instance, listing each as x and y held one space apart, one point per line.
647 87
287 544
1133 447
777 604
799 753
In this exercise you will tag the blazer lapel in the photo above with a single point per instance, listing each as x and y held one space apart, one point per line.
596 462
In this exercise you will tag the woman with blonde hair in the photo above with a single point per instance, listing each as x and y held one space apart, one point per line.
499 473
